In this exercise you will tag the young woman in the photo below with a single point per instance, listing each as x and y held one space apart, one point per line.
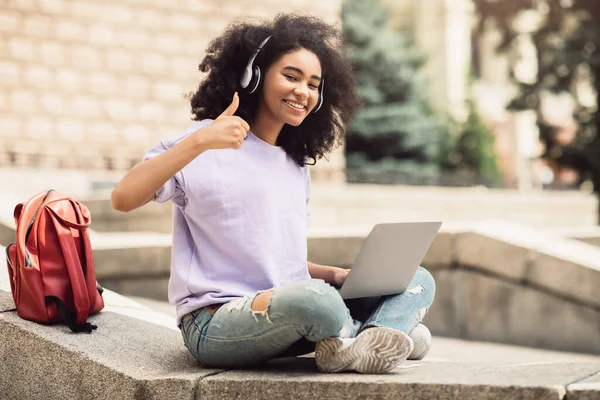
276 97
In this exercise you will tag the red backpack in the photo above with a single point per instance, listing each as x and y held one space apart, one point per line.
50 266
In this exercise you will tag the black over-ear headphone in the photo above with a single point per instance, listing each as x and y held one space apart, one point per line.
251 77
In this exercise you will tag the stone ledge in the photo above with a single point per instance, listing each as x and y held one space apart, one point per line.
137 353
6 301
152 217
587 389
566 267
490 250
129 258
130 359
569 268
472 305
586 234
298 379
415 380
123 358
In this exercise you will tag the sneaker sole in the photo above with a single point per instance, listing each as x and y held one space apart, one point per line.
374 351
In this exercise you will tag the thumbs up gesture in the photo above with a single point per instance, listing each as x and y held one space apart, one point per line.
227 131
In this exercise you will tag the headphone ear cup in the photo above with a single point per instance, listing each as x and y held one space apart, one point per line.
246 77
254 82
320 99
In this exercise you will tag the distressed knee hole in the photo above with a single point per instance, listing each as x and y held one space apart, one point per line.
261 301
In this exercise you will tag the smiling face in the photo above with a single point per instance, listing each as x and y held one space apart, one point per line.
291 88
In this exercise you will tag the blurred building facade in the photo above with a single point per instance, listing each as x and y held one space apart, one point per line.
460 64
86 87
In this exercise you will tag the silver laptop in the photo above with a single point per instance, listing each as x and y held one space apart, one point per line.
389 258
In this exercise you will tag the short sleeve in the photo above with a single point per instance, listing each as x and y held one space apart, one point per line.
173 189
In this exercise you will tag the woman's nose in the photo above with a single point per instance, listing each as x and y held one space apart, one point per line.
301 90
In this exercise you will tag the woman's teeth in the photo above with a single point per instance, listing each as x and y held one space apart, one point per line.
295 105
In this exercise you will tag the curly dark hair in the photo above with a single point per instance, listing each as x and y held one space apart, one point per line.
227 56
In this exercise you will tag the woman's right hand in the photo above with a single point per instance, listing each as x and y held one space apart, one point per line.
227 131
140 184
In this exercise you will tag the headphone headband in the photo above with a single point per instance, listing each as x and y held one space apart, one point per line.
251 77
247 76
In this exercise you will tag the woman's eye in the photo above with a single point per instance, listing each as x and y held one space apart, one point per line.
291 77
313 86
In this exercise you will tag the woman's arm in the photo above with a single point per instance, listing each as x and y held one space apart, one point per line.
140 184
333 275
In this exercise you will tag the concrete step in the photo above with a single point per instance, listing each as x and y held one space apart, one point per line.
137 353
132 358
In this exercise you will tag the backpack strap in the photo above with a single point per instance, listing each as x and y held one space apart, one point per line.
69 318
83 221
74 269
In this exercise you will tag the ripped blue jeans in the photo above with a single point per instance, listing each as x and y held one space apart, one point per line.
298 315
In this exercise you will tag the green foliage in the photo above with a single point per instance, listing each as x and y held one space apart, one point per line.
567 42
469 150
396 137
396 121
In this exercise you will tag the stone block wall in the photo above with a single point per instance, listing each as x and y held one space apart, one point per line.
91 85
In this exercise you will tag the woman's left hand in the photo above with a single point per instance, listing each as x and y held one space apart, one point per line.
339 276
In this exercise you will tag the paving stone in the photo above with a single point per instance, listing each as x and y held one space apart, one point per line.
585 234
125 357
441 252
445 315
586 389
595 241
569 268
152 287
132 261
506 312
6 301
472 305
153 217
285 379
505 258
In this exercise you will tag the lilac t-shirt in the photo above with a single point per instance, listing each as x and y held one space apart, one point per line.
239 222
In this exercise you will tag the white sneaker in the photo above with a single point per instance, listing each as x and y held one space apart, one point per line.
421 337
374 351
